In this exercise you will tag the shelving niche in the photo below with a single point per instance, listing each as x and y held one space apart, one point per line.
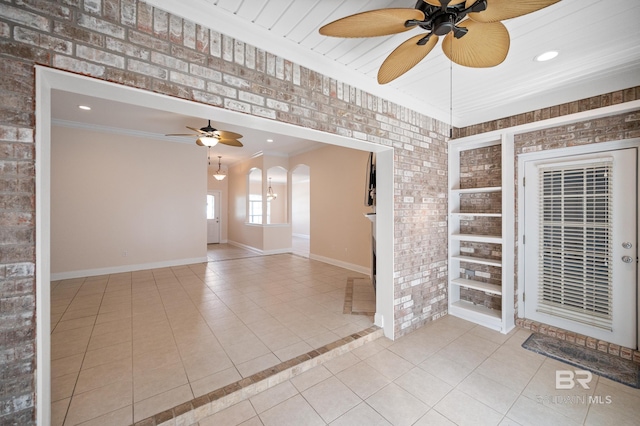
481 230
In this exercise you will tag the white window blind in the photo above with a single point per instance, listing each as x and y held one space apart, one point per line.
575 242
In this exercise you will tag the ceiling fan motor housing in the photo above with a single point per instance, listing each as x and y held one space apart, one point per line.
440 21
208 128
444 23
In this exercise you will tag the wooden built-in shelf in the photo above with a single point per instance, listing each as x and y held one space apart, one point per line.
478 260
478 285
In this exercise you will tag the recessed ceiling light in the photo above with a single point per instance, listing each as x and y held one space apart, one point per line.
269 140
546 56
84 107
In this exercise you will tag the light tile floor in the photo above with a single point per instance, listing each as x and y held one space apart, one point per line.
128 346
450 372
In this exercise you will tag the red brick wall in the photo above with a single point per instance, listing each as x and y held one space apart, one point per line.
131 43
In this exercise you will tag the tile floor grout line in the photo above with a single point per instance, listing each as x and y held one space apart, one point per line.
84 355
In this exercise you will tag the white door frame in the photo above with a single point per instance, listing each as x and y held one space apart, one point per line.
48 79
562 152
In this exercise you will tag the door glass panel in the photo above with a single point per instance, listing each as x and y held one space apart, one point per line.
211 207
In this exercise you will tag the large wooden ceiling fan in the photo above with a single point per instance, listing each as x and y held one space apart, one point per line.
210 136
479 41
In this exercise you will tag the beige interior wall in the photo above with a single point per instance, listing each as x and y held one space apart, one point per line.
338 228
279 205
121 200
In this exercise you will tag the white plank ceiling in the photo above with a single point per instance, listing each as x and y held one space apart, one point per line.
598 41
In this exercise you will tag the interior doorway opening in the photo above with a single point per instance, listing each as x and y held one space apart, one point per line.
49 80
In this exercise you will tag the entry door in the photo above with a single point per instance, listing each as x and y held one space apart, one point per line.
213 217
581 244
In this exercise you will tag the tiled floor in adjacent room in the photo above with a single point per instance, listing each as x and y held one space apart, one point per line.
128 346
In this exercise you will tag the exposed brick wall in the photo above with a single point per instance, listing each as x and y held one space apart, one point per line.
131 43
479 168
580 340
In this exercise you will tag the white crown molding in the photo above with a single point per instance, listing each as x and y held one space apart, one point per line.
118 131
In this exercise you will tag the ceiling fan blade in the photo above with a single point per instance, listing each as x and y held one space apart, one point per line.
181 134
405 57
499 10
451 3
372 23
485 45
228 135
230 142
195 130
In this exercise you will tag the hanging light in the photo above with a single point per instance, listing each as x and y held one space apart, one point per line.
270 194
219 175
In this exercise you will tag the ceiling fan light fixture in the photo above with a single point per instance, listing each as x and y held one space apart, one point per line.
208 140
546 56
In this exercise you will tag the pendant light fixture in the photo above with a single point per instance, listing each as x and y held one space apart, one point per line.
270 194
219 175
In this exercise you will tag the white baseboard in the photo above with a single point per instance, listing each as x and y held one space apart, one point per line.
341 264
378 320
302 236
258 251
57 276
350 266
244 246
278 251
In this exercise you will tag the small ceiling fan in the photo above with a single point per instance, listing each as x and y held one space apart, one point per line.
210 136
479 41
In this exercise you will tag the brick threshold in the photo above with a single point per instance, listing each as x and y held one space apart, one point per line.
199 408
628 354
